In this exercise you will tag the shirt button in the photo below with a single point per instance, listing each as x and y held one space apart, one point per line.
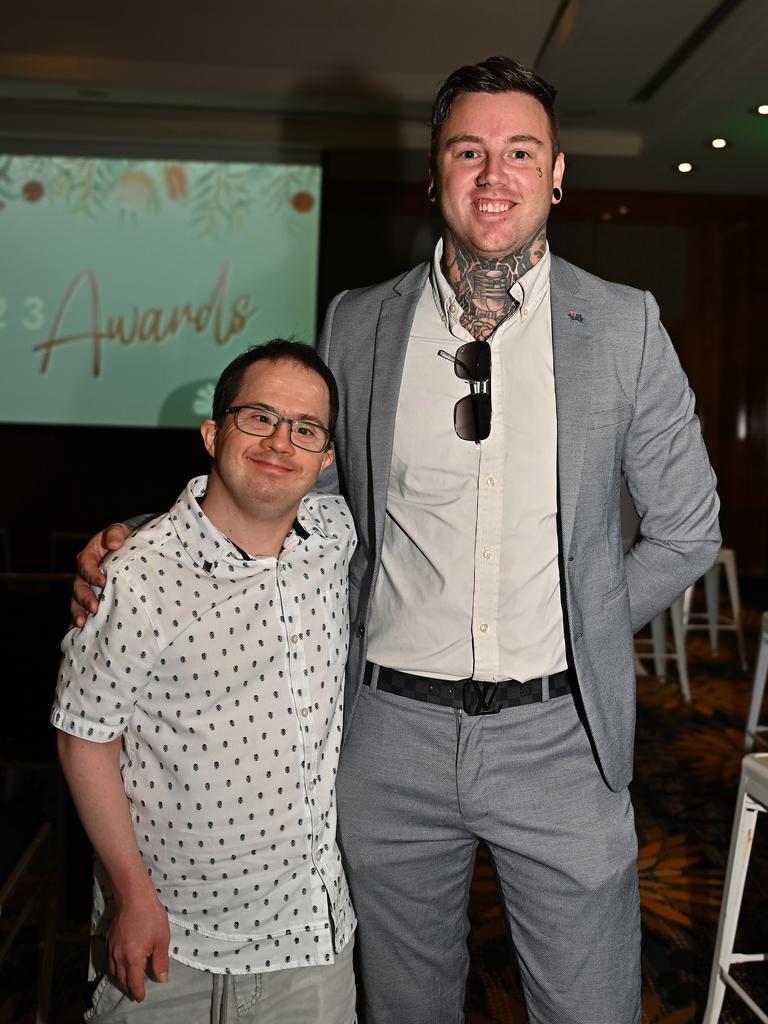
491 481
484 627
487 555
319 854
452 307
294 639
304 712
525 312
312 785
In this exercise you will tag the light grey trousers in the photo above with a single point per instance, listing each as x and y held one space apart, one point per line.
418 785
324 994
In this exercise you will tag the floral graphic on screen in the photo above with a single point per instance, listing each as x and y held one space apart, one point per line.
217 200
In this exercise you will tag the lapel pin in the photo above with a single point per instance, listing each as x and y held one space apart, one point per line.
573 315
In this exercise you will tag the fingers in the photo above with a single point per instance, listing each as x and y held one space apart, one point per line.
135 972
84 602
114 536
83 597
159 964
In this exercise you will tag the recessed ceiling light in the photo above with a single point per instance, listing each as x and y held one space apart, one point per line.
685 167
763 109
718 143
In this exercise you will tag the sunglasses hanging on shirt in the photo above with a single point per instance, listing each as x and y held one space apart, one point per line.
472 414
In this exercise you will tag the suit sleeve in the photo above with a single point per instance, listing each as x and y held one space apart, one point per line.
329 483
670 480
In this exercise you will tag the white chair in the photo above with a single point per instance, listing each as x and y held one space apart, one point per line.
659 652
711 619
752 799
758 691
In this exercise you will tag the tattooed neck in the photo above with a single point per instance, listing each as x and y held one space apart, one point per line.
482 286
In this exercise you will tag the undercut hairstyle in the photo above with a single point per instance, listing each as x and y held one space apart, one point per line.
496 74
274 351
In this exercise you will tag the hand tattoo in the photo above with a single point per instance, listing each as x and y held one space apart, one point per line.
482 286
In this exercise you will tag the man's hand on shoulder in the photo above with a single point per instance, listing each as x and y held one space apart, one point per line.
138 944
84 601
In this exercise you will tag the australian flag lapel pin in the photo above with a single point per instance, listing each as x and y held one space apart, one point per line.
573 315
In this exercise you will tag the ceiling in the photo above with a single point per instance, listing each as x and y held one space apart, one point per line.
642 86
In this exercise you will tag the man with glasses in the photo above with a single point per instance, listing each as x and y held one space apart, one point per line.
491 400
200 713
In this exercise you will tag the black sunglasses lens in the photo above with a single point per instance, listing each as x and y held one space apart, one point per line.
472 417
473 361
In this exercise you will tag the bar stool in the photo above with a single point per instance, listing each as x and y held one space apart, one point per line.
711 619
752 799
758 691
659 652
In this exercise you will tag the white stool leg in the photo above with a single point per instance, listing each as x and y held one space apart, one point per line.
676 615
659 640
758 688
733 889
687 602
712 594
729 564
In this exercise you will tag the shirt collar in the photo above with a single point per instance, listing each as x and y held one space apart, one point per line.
210 549
528 291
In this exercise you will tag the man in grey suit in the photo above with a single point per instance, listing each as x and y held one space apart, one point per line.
490 400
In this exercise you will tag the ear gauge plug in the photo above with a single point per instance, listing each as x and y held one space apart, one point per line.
557 194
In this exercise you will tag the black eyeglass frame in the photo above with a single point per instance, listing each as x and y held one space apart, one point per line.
278 419
475 372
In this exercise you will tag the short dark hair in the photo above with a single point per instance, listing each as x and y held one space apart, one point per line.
496 74
231 377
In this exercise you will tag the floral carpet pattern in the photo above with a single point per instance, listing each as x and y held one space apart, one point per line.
687 768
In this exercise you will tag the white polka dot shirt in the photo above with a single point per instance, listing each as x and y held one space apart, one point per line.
224 676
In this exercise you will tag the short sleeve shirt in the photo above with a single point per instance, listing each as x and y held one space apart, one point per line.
223 675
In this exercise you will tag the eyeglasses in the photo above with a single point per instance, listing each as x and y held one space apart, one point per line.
262 422
472 414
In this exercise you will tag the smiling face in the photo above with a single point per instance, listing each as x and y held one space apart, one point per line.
494 172
255 478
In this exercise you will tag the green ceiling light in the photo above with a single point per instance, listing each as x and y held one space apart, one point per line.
685 167
763 109
718 143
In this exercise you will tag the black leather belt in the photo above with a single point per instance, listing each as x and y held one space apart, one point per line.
473 696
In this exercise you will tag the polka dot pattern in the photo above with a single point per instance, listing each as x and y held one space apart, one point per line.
224 675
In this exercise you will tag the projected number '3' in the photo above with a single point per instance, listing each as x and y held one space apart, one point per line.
33 317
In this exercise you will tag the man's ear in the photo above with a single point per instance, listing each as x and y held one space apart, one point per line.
208 430
558 170
328 458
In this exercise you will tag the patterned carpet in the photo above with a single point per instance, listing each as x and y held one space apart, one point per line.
686 774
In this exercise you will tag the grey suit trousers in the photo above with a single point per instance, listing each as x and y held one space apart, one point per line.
418 786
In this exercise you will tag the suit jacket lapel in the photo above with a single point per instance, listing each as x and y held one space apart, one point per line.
392 334
572 341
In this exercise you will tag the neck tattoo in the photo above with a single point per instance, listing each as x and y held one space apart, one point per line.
482 286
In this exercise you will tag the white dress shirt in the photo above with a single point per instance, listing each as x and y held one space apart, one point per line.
469 582
224 676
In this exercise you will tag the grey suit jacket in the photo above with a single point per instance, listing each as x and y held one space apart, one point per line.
623 405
